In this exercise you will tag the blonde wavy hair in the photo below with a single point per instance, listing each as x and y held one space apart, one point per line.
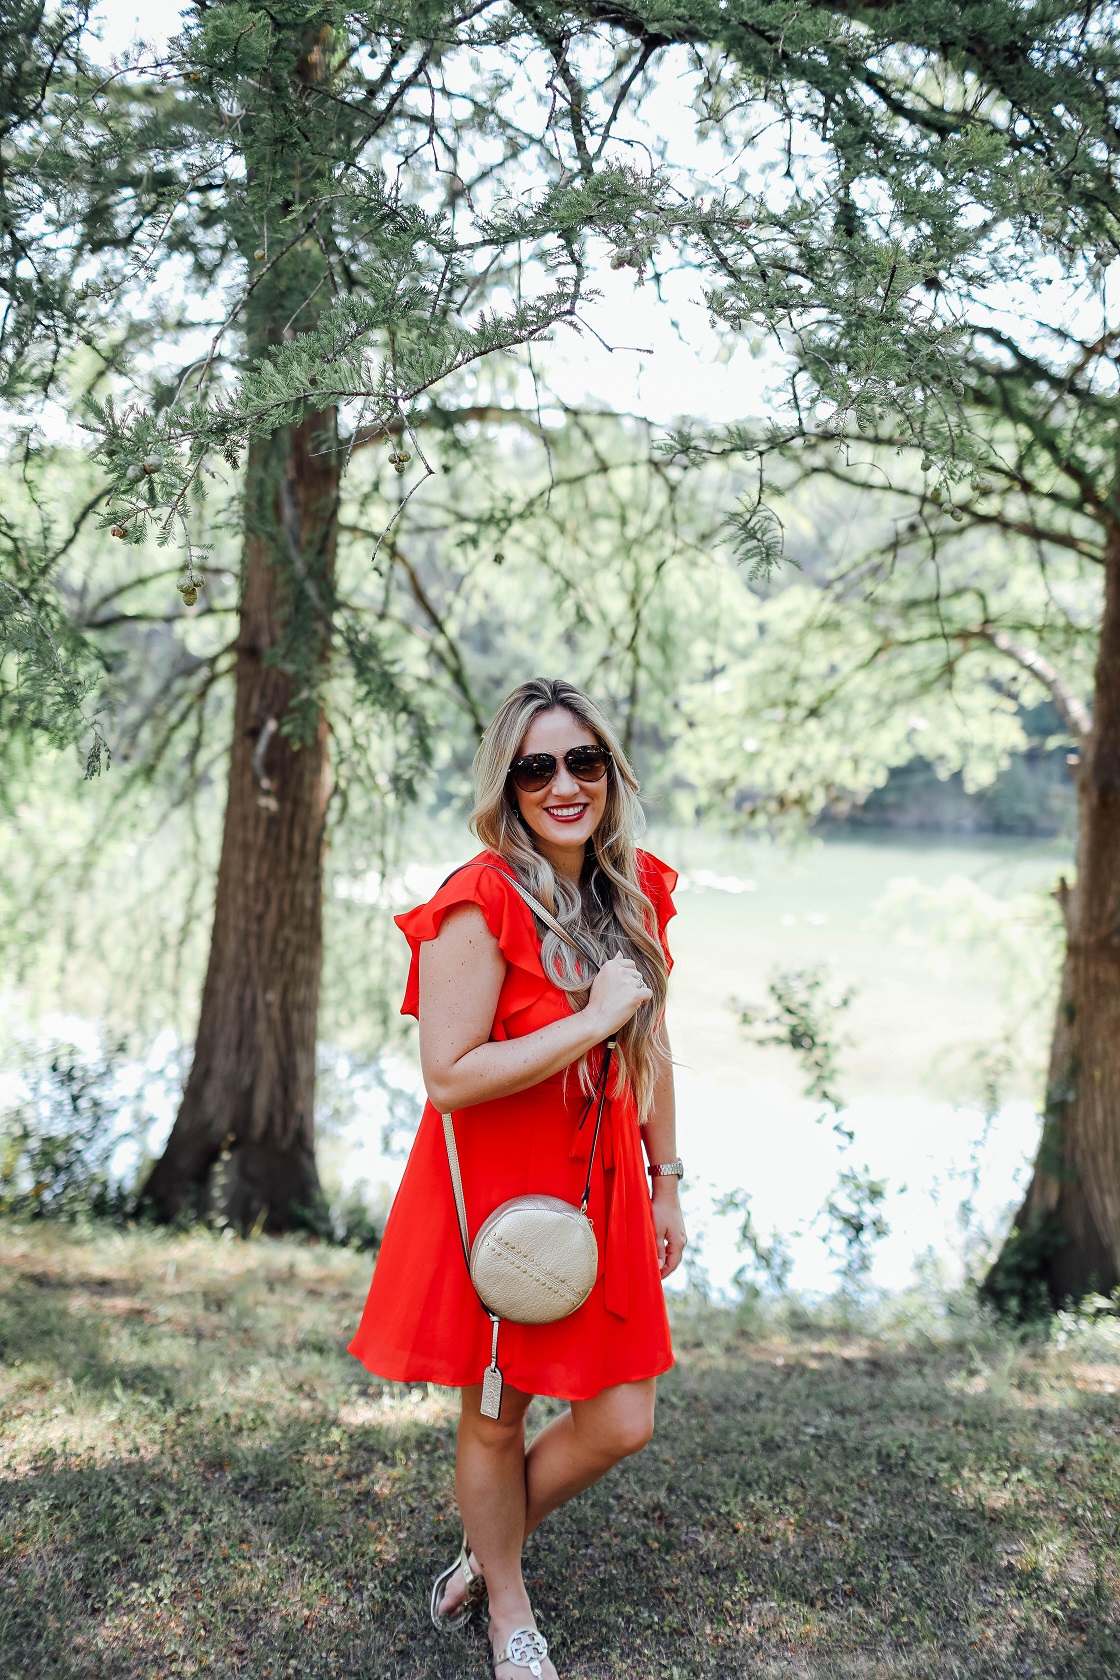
608 910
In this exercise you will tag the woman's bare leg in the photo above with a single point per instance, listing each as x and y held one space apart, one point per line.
570 1454
490 1489
581 1445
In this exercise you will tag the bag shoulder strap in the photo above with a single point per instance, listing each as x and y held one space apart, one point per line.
457 1186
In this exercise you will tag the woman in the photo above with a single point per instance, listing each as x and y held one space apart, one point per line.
511 1037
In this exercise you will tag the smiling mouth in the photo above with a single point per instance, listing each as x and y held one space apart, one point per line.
565 813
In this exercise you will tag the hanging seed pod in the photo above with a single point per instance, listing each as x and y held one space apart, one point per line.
190 596
258 256
982 486
134 474
956 513
937 494
927 464
153 464
116 530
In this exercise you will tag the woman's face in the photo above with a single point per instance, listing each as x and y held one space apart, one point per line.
564 815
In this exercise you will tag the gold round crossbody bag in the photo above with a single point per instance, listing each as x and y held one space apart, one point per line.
535 1258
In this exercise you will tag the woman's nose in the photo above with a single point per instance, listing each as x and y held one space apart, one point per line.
564 784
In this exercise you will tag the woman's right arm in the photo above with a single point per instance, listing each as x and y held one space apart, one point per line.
461 974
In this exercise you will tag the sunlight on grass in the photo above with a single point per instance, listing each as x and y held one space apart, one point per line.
199 1481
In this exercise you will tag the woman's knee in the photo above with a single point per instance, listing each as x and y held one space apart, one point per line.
632 1433
622 1429
499 1434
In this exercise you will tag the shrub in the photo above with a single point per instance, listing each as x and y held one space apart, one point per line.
57 1143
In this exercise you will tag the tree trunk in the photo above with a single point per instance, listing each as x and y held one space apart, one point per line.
1065 1241
251 1086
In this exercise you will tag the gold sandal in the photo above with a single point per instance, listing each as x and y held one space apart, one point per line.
476 1591
525 1648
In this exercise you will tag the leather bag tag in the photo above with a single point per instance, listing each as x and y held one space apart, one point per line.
491 1403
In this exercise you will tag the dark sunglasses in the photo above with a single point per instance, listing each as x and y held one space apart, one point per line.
586 764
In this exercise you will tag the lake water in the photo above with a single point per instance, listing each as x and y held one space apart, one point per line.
949 946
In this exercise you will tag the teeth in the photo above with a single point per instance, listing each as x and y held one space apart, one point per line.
566 810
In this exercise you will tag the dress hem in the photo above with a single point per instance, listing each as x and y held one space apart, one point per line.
442 1377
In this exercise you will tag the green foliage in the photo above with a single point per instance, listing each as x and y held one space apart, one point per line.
803 1014
49 669
852 1209
1018 1283
42 65
868 658
768 1264
70 1118
58 1139
757 538
805 1007
349 278
273 153
353 1224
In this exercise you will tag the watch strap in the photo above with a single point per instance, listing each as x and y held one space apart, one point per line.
666 1169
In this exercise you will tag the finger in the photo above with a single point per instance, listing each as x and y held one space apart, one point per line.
668 1249
679 1241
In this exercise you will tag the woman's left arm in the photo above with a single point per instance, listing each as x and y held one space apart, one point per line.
660 1137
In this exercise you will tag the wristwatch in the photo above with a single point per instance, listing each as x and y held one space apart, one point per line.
666 1169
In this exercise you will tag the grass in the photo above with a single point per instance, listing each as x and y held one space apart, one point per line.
195 1479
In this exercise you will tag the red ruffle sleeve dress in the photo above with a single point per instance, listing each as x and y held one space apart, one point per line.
422 1320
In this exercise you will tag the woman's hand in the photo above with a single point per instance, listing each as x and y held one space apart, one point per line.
616 992
668 1224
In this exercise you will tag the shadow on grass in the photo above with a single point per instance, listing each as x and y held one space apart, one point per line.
37 1322
799 1514
212 1553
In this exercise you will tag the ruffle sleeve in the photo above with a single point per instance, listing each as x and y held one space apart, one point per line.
507 916
657 882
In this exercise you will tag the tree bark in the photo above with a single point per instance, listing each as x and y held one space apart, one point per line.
1065 1240
243 1142
251 1086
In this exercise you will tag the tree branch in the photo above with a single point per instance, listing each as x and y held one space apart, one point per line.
1073 711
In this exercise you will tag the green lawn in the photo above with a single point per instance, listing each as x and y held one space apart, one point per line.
196 1479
